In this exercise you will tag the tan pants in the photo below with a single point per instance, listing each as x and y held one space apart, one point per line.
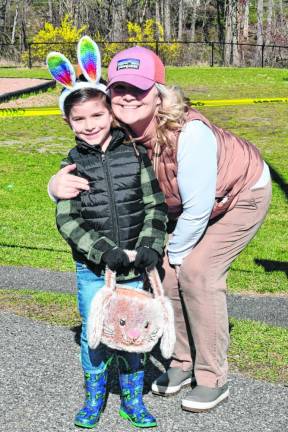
199 300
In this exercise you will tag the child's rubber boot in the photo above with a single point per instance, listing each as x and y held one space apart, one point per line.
95 385
132 405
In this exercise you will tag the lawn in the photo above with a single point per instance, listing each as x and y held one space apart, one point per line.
204 82
31 149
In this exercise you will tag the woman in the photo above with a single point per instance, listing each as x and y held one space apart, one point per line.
218 191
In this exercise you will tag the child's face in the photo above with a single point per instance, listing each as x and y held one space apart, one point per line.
91 122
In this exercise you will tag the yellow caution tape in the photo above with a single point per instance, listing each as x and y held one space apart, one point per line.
44 111
29 112
227 102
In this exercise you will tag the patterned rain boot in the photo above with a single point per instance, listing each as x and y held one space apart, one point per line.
95 385
132 405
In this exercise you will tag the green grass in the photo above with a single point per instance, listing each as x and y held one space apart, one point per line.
24 73
257 350
230 83
54 308
204 82
31 150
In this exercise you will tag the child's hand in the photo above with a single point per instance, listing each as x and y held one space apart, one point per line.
65 185
146 258
116 259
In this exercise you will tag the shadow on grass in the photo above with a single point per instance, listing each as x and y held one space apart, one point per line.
271 265
34 248
277 178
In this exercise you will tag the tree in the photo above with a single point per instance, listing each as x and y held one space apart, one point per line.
193 21
260 38
245 31
268 37
3 12
231 51
180 21
167 19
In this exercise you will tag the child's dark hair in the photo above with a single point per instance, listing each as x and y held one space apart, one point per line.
84 95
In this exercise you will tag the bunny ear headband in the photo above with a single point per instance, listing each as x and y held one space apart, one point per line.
62 71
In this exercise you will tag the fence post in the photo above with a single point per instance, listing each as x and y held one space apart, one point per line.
157 47
262 55
212 54
29 56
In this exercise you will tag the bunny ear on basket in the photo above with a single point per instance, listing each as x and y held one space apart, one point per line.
61 69
89 59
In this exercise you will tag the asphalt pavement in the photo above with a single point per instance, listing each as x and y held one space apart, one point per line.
41 385
41 389
268 309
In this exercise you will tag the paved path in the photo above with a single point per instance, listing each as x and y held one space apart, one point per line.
269 309
41 389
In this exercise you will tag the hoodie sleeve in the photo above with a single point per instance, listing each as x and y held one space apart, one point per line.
197 176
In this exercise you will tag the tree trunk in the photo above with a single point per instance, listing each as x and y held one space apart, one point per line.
193 20
180 21
3 9
167 20
157 18
234 25
50 11
118 20
246 20
23 44
14 26
228 34
260 39
269 22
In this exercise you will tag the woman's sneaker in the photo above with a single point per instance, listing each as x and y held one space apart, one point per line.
172 381
202 398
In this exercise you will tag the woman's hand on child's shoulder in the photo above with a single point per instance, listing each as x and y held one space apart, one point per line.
65 185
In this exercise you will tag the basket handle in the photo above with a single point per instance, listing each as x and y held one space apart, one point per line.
153 276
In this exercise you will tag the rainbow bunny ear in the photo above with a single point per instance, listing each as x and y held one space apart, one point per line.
89 59
61 69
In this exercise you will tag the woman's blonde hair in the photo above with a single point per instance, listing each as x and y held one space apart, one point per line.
171 114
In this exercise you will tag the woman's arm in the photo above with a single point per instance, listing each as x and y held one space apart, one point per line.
197 176
65 185
153 233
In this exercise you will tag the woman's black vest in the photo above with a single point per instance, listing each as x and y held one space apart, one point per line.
114 204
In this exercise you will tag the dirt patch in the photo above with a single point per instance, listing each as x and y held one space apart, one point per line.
8 85
42 99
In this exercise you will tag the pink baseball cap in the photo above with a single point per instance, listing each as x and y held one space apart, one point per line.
137 66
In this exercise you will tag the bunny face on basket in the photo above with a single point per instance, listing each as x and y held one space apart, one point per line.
132 321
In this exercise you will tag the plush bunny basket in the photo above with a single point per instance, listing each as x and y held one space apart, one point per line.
131 319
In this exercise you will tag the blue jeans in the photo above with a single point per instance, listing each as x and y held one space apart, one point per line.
88 284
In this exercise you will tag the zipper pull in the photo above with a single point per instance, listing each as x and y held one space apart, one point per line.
103 157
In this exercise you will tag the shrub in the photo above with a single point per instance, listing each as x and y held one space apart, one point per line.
66 35
151 32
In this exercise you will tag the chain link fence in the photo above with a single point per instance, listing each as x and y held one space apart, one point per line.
172 53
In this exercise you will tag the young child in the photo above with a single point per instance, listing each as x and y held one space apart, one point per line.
123 209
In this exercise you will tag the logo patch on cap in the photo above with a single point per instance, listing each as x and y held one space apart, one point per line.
129 63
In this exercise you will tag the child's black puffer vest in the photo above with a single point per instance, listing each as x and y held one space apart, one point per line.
113 205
